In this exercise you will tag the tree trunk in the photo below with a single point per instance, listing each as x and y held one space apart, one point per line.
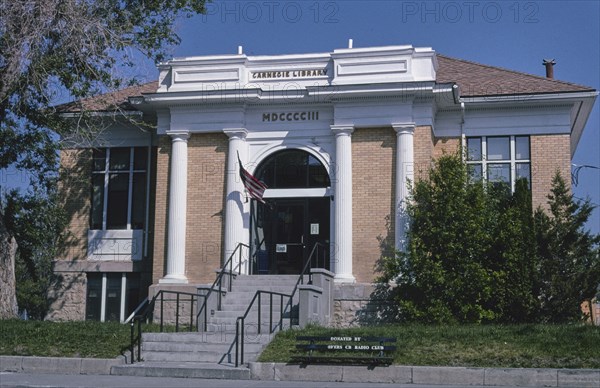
8 295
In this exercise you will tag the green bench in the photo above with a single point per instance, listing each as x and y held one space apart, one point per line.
344 350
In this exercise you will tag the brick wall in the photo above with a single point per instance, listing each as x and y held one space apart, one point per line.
74 187
423 151
207 164
207 157
445 146
549 153
161 195
373 182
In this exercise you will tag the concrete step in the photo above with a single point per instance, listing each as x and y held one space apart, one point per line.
197 348
233 312
252 288
197 370
215 357
223 357
214 337
250 329
266 278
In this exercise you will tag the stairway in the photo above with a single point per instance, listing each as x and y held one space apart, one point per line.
212 353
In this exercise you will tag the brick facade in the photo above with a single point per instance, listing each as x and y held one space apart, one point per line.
423 147
549 153
74 187
445 146
373 182
207 160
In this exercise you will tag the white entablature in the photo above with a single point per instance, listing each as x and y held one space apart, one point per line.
373 65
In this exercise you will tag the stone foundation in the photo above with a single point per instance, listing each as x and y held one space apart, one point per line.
67 297
357 305
187 310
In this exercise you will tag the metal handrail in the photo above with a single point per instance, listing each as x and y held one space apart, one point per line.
306 270
149 310
137 309
239 328
239 345
219 281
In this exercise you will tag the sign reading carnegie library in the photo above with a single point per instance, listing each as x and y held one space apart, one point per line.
288 74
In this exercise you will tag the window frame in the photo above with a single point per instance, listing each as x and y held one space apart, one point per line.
512 161
126 280
131 171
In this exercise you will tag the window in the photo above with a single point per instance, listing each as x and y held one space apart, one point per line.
499 158
111 296
292 169
119 188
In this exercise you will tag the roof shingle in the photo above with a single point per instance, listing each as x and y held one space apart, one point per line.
109 101
475 79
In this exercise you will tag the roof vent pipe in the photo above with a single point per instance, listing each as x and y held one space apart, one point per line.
350 43
549 63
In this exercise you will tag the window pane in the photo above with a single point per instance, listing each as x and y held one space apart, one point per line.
94 295
498 148
522 147
498 172
99 159
474 148
140 158
523 171
475 172
97 205
138 204
119 159
266 173
116 212
317 175
291 169
113 296
133 293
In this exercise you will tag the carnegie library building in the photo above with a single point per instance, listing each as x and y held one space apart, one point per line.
283 160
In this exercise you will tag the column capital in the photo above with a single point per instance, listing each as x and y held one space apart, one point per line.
342 129
179 136
236 133
404 128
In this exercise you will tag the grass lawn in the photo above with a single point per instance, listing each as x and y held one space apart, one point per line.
510 346
527 346
64 339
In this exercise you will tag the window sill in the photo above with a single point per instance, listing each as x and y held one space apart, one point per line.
115 245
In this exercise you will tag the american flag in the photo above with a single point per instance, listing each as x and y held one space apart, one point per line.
253 186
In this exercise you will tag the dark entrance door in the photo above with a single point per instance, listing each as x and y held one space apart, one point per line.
285 232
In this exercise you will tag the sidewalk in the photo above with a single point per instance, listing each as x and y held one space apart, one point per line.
419 375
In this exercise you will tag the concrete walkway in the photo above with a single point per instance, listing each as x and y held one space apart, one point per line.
420 375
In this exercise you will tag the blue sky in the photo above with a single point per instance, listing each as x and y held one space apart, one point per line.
512 34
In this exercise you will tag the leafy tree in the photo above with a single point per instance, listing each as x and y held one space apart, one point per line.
513 256
470 255
37 223
569 256
57 50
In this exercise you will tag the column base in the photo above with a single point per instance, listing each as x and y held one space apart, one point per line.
344 278
173 279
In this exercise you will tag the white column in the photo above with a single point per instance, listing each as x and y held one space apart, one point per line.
177 210
235 203
404 173
123 296
342 252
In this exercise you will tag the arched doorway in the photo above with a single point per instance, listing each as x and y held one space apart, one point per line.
296 219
